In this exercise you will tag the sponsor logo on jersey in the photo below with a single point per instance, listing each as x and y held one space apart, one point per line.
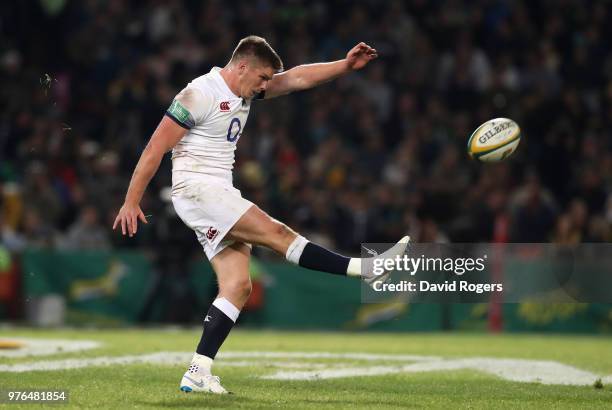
224 106
211 234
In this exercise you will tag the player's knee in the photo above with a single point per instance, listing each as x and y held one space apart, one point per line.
239 288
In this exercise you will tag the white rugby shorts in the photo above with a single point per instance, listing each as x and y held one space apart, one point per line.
211 208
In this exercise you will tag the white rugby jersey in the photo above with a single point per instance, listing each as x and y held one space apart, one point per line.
215 118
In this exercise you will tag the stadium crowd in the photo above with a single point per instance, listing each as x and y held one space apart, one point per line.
364 158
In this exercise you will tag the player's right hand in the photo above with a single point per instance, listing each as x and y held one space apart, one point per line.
128 217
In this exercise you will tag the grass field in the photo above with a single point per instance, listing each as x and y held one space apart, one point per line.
154 383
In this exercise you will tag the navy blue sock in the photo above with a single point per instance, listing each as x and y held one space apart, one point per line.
217 326
316 257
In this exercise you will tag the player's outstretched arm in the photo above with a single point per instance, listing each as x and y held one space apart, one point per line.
307 76
165 137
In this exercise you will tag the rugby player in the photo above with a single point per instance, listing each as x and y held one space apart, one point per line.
202 127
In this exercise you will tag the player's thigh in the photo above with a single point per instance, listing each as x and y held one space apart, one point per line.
231 266
257 227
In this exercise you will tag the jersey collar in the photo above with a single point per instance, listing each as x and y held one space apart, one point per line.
215 71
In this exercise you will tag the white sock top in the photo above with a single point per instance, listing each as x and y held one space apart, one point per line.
354 267
228 308
294 251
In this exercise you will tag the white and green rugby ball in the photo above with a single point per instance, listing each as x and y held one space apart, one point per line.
494 140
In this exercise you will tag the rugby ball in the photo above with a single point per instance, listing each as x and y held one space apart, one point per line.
494 140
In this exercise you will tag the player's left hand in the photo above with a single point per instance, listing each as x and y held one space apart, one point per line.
360 55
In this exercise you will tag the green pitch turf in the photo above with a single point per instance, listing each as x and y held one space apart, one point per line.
156 385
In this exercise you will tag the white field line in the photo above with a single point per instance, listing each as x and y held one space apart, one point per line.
78 363
545 372
328 355
172 358
44 347
520 370
162 358
281 365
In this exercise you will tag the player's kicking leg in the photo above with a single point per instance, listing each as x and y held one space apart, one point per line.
257 228
232 268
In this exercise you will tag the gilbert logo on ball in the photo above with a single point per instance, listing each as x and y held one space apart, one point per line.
494 140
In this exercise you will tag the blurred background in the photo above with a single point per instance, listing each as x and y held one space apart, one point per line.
365 158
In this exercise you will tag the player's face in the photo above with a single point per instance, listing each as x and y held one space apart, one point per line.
254 79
